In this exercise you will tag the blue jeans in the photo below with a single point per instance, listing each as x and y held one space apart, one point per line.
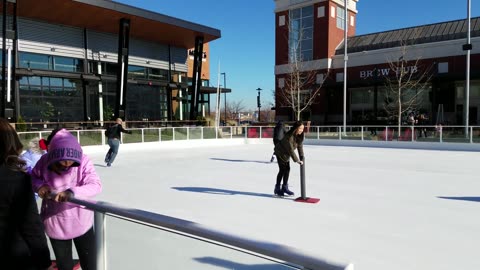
113 151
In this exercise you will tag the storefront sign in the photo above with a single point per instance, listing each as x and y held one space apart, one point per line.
385 72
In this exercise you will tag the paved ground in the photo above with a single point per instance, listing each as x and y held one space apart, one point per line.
380 208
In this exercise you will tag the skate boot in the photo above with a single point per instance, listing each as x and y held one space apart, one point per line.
273 158
286 191
278 191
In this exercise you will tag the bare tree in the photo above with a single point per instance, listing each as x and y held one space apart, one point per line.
233 108
405 87
302 85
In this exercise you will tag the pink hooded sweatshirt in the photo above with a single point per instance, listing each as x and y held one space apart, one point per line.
66 220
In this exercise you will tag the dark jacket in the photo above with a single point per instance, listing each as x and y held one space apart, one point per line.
115 131
23 244
278 132
285 149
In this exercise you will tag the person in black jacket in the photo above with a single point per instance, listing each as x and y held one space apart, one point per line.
278 134
23 244
284 150
114 136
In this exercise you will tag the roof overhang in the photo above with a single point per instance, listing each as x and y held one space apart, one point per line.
213 90
104 16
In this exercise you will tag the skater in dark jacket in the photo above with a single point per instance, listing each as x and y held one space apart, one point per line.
23 244
278 134
114 136
284 150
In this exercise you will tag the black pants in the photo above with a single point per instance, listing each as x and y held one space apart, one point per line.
283 172
85 245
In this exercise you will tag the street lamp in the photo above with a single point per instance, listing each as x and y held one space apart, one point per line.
258 102
225 92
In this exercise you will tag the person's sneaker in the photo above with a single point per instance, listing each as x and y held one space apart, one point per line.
109 164
272 159
287 191
278 191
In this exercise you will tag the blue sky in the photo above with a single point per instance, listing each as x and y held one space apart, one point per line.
246 50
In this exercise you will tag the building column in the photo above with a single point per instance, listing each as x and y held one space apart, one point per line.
9 98
196 77
122 71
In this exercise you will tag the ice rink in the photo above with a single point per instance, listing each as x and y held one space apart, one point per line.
379 208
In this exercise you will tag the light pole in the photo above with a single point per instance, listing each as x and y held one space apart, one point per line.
258 102
467 47
345 58
224 87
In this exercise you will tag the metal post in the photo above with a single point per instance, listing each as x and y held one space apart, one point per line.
259 105
225 93
362 133
345 58
302 180
100 241
468 48
471 134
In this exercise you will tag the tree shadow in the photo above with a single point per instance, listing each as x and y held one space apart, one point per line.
218 191
471 199
227 264
241 160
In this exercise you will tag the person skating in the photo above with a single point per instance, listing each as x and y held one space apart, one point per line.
114 135
284 150
65 172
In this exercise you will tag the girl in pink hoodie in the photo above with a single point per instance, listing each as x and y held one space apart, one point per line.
60 174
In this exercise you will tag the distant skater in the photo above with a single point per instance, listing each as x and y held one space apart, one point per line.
278 134
114 135
284 150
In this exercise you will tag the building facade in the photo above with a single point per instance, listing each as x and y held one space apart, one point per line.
309 38
93 60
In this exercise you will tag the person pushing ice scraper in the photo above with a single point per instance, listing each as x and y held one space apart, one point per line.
284 150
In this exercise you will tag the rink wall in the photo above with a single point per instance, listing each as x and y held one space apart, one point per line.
398 144
182 144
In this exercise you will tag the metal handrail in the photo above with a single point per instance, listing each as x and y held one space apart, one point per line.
271 251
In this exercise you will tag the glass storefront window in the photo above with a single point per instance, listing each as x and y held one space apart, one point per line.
137 72
67 64
157 74
35 61
51 99
49 62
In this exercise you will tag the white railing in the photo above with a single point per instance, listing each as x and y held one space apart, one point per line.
278 254
438 134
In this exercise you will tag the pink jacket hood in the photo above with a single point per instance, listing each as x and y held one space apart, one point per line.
64 146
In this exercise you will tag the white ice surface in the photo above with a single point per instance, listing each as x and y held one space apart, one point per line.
379 208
